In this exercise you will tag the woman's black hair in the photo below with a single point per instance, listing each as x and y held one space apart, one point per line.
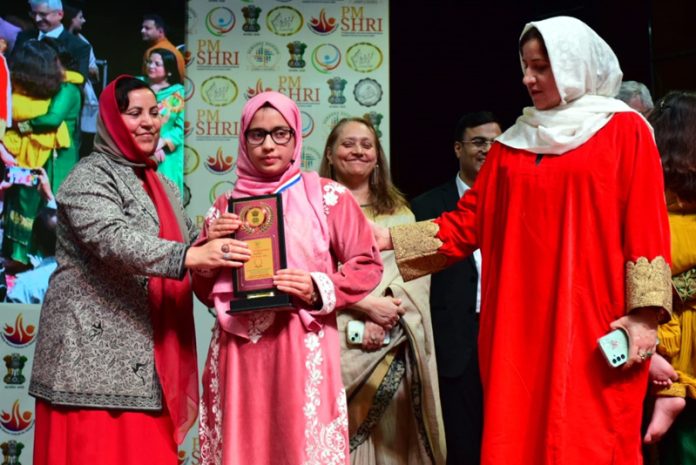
35 71
126 85
66 58
170 65
533 33
674 120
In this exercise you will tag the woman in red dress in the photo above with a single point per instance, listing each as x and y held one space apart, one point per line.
570 217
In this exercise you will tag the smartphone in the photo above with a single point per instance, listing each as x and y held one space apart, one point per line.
615 347
355 331
23 176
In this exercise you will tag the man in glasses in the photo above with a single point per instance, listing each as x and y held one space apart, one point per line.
455 299
47 16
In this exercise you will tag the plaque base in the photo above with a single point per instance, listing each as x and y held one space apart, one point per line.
279 301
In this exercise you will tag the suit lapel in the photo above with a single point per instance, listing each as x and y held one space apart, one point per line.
135 185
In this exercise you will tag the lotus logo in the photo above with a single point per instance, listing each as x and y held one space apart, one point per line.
19 336
220 163
220 21
257 90
323 25
16 421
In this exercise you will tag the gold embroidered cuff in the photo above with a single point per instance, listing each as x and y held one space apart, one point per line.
649 284
415 247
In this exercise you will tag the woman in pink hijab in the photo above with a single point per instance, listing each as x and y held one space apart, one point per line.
272 384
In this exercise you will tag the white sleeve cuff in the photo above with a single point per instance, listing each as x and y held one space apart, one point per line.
327 292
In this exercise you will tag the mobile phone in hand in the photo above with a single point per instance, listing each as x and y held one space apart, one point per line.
356 330
614 346
23 176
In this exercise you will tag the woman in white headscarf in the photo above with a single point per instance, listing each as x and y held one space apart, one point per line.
570 217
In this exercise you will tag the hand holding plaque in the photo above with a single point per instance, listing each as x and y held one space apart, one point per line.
262 229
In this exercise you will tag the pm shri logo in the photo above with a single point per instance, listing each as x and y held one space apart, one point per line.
219 91
14 364
15 421
19 335
367 92
220 21
284 21
220 163
322 25
364 57
326 58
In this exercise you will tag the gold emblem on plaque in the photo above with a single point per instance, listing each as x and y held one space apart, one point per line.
256 218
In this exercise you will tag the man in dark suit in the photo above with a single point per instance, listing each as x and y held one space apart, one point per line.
455 300
47 16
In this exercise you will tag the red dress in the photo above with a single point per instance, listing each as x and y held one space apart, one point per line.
556 234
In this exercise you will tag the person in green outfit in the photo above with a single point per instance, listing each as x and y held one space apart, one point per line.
30 144
65 106
164 78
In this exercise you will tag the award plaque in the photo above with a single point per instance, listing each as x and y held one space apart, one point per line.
262 230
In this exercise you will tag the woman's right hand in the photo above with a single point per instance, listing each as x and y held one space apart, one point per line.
373 336
217 253
226 224
382 236
384 311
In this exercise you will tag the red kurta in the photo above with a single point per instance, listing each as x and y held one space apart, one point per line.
555 235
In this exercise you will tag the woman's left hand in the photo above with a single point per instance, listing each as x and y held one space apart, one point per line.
297 283
373 336
641 327
225 225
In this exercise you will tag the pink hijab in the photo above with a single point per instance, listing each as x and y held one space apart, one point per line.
306 229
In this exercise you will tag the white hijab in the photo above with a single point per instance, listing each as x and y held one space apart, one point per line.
587 75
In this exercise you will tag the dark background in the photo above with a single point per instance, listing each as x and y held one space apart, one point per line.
113 27
466 59
447 58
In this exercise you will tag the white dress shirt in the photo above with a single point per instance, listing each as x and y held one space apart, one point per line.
461 188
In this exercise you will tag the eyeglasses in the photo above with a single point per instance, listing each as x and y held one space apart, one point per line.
40 14
280 136
479 142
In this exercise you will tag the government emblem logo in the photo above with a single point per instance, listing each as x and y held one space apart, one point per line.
284 21
326 58
11 450
14 364
364 57
375 119
15 421
219 91
19 336
297 50
220 21
337 85
251 18
367 92
322 25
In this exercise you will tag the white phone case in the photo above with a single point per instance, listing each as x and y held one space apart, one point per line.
355 331
615 347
